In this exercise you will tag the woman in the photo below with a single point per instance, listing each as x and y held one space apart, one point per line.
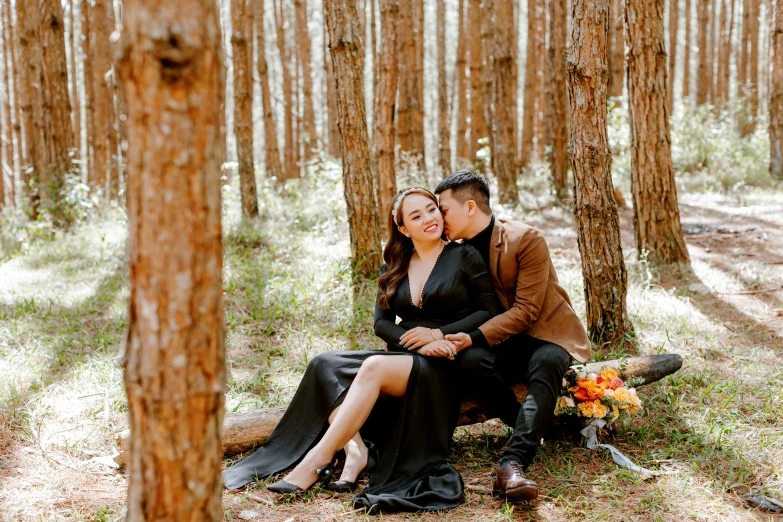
436 288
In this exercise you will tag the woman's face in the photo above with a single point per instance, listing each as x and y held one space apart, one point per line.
421 218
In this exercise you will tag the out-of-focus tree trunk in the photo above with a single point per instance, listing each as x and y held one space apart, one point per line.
542 99
776 94
346 53
674 15
56 108
383 120
460 104
531 83
303 48
703 85
724 53
271 150
595 209
616 48
102 140
94 176
175 350
557 119
686 60
14 86
749 88
31 101
405 58
290 170
478 123
503 100
416 80
7 146
73 75
656 212
241 31
444 121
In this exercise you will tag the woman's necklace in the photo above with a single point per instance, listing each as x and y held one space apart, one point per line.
424 286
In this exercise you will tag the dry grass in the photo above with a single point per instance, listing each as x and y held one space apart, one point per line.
714 429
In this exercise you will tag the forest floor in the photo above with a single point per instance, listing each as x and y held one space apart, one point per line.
714 429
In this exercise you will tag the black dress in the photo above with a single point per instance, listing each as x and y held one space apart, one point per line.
412 433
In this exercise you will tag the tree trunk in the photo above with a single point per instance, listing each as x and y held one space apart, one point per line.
94 176
331 102
303 48
478 123
776 95
750 107
617 49
712 52
290 170
724 53
271 150
674 15
173 77
104 95
702 85
488 74
558 100
57 107
542 74
14 86
7 148
346 51
405 66
31 101
531 84
656 213
297 98
686 60
383 120
595 209
460 104
416 79
444 121
503 101
241 29
76 61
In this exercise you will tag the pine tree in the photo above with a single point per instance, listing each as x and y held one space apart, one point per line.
346 54
175 349
595 209
656 212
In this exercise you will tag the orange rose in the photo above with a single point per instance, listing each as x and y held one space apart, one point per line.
588 390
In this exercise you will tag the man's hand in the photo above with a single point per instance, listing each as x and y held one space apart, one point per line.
385 346
461 340
440 348
419 336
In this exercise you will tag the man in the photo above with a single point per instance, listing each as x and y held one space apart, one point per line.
534 340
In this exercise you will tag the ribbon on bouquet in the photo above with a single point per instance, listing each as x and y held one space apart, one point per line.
591 434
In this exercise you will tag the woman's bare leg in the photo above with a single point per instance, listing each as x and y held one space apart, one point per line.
356 454
379 375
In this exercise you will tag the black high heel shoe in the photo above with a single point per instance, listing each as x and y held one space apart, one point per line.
325 474
343 486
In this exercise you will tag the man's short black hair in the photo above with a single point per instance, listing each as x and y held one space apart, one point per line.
466 185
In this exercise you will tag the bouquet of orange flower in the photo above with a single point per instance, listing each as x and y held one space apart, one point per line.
594 396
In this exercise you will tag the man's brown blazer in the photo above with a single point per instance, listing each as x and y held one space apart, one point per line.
526 283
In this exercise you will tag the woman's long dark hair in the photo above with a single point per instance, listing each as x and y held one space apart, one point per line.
398 251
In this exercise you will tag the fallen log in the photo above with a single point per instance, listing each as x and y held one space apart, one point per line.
246 430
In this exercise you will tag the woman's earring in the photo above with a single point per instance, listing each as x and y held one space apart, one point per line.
407 235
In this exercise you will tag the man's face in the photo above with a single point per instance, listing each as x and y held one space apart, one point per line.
456 216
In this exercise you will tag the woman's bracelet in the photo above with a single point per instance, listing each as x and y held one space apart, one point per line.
432 333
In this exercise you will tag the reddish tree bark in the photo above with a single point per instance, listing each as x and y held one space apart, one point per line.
776 94
595 209
346 53
173 76
383 121
656 212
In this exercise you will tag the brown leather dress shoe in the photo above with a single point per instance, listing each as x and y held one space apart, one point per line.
511 483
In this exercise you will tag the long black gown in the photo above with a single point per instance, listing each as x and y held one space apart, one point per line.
412 433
